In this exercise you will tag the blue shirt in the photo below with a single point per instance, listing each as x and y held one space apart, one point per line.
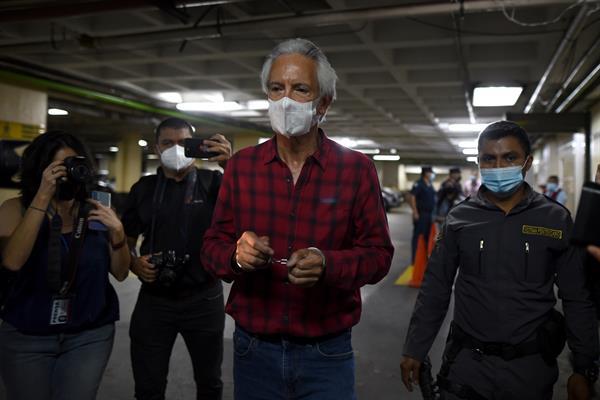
94 302
424 195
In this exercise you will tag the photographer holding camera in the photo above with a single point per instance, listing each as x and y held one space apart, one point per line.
58 319
172 210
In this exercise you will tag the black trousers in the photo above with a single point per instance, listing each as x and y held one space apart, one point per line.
525 378
155 323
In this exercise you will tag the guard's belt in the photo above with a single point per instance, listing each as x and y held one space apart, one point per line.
506 351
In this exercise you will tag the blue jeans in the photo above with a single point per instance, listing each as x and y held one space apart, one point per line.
267 370
54 367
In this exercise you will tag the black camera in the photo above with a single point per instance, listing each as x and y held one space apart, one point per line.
169 267
78 170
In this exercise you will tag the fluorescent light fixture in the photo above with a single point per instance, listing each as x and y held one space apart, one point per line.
113 149
465 128
386 157
472 159
170 97
209 107
468 144
57 111
394 151
258 105
142 143
368 151
245 113
152 157
496 96
470 152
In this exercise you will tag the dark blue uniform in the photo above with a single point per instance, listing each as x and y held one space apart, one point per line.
506 267
424 194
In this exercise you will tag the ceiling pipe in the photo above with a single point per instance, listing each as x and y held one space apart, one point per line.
585 83
79 8
592 50
572 33
94 95
274 23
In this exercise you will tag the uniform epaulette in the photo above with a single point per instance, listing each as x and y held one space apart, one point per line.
556 202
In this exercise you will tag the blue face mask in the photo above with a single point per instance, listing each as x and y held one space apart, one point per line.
502 181
551 187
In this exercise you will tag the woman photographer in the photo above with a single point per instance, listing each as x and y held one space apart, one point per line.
58 321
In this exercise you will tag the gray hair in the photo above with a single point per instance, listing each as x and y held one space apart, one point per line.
325 73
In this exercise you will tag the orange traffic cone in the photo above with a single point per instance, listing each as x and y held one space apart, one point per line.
419 264
432 237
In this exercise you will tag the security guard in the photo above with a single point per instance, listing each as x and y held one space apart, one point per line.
422 202
510 245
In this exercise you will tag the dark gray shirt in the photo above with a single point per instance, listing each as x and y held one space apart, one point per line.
507 266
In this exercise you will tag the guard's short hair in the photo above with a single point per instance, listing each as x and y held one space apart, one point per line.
174 123
500 129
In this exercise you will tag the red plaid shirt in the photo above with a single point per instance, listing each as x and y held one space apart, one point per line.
335 205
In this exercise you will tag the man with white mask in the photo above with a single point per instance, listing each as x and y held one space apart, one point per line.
510 246
172 209
299 228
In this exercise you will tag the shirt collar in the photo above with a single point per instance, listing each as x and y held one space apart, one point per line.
527 199
320 156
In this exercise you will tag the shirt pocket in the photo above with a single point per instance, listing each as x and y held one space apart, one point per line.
536 264
473 250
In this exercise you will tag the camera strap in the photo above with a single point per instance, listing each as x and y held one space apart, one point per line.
189 199
56 282
157 198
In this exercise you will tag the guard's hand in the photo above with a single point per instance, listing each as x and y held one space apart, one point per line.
410 372
305 267
594 251
578 388
253 252
143 269
219 144
415 216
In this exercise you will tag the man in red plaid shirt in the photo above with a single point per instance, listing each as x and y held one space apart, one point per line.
299 228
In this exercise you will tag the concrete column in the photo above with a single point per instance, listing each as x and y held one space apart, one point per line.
242 140
23 115
127 165
390 174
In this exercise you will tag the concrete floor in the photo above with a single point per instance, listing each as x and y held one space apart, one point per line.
377 339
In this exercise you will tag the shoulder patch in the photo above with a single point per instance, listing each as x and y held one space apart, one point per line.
541 231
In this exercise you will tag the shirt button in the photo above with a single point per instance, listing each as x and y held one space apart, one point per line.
289 248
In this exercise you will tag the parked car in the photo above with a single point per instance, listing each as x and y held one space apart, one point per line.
391 198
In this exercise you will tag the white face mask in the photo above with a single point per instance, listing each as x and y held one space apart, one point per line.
292 118
174 158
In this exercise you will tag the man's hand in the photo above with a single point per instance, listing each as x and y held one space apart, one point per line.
252 252
578 388
410 372
305 267
143 269
219 144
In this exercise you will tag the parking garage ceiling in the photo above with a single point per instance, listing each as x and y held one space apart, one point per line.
406 70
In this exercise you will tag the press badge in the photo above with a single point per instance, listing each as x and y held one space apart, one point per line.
61 311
